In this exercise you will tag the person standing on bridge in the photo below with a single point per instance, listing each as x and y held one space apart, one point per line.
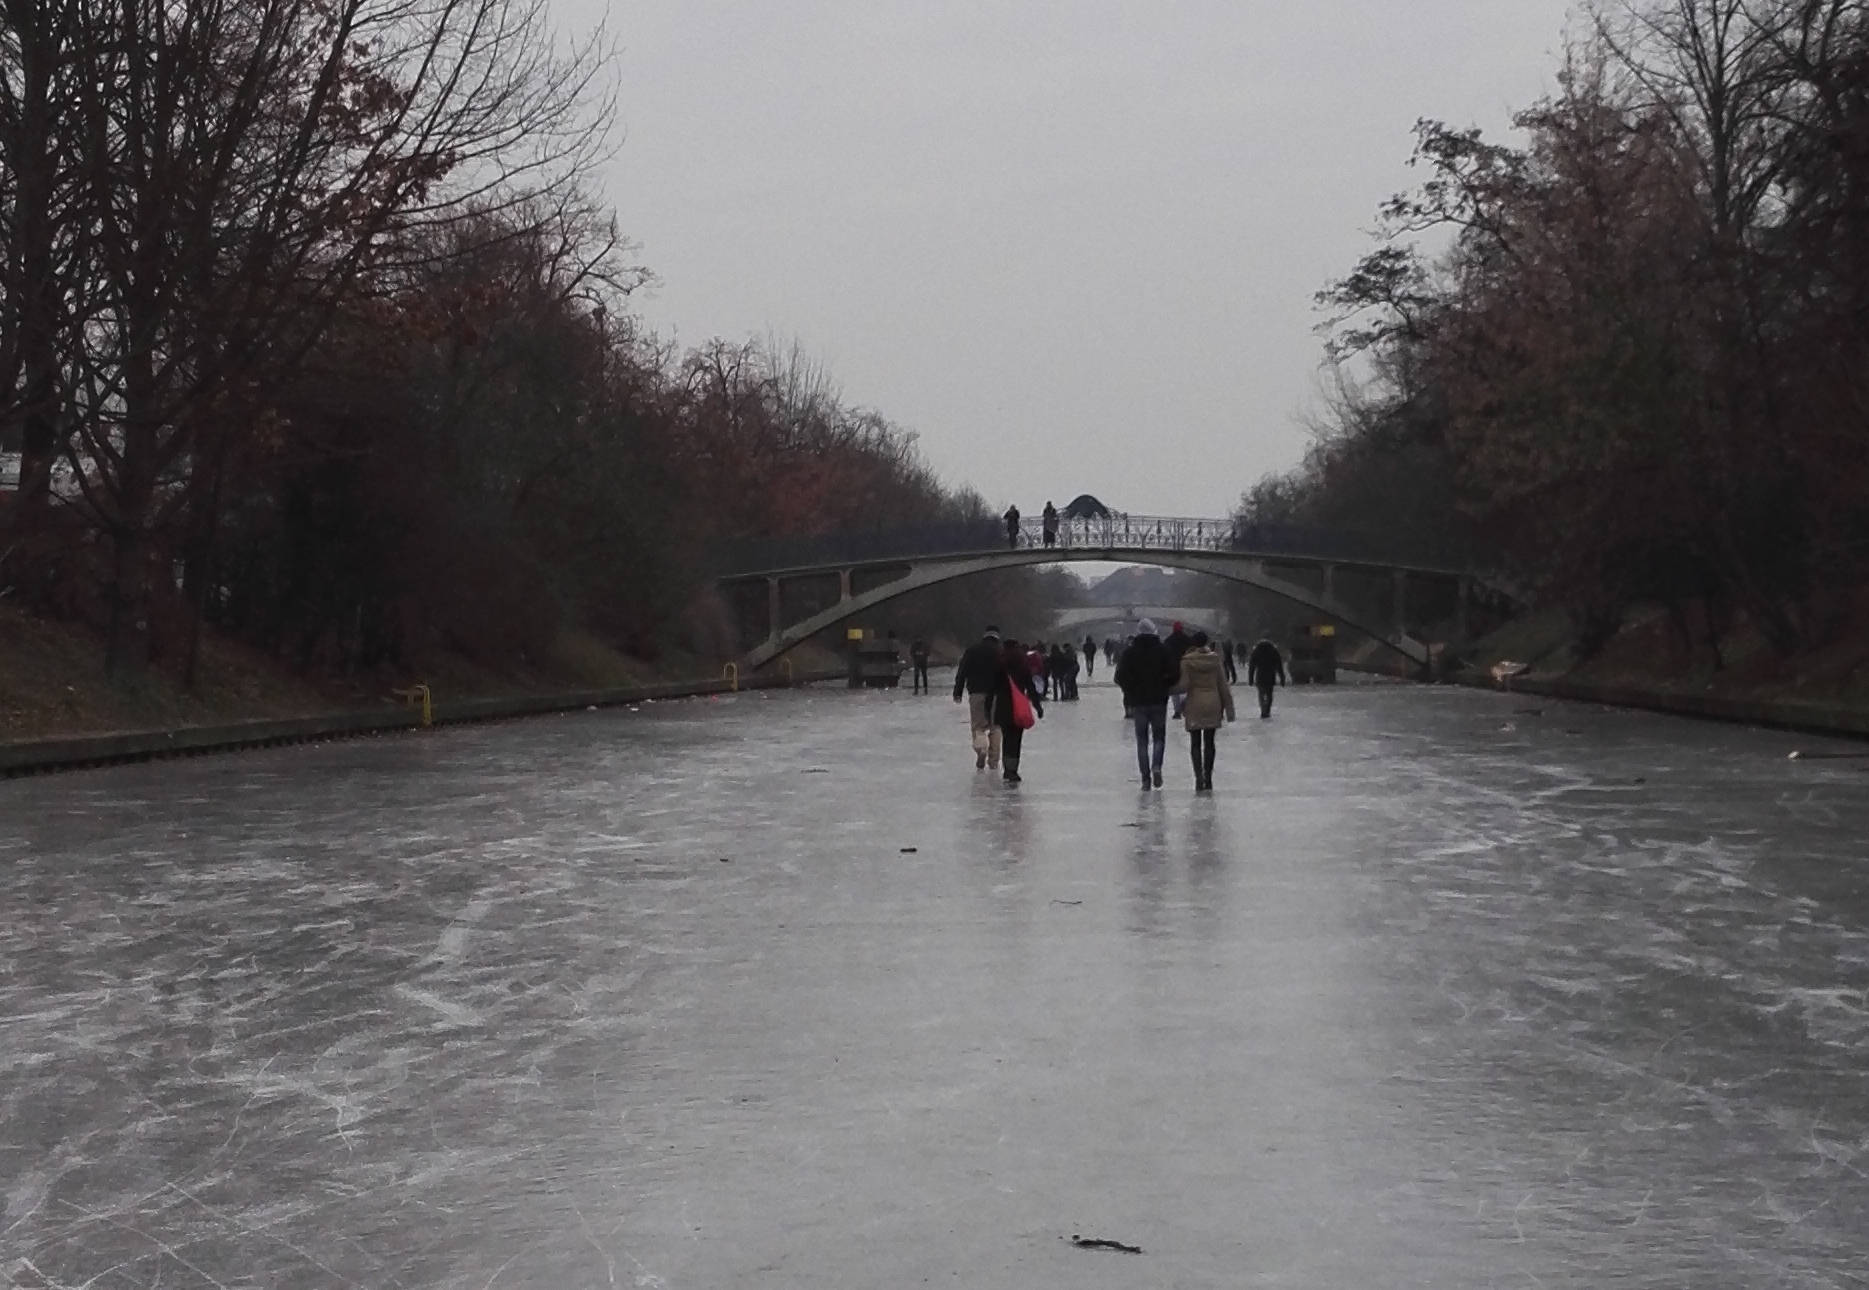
1265 667
1209 701
977 677
1146 675
1090 657
918 656
1012 527
1051 525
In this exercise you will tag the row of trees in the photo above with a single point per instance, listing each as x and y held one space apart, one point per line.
1639 371
310 330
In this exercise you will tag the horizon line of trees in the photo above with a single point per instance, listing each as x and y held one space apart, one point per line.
313 332
1638 371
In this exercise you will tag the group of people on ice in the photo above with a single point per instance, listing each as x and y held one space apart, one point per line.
1000 680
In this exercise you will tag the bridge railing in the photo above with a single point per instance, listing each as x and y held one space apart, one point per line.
1116 532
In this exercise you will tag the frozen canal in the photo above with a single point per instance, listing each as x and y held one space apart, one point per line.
777 991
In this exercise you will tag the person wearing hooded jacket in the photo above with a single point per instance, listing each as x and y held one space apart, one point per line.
977 676
1146 674
1209 701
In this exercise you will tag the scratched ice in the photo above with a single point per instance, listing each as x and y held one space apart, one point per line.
1436 990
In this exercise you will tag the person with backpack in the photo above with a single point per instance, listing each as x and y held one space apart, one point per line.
1146 675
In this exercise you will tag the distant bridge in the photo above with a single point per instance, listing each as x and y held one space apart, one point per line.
799 587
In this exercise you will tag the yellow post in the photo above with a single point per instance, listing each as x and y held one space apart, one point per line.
731 675
420 691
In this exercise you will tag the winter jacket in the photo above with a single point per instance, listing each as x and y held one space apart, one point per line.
1013 673
1177 644
1265 665
978 672
1145 673
1204 681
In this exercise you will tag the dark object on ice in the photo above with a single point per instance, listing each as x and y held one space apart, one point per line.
909 851
1098 1243
816 770
1086 507
1529 712
725 860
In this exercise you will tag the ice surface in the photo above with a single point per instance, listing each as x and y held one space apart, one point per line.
1414 999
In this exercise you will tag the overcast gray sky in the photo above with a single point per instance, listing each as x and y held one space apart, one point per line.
1073 245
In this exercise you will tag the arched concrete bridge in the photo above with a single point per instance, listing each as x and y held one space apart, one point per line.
1204 617
836 590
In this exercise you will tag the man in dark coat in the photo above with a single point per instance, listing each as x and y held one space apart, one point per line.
1226 660
1012 527
1146 674
1265 667
978 677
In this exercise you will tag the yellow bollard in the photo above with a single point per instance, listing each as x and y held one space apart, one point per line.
731 675
420 691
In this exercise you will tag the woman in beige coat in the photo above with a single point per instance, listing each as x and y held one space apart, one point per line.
1209 701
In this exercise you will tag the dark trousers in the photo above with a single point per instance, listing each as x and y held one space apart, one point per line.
1151 735
1010 739
1265 700
919 682
1233 673
1201 752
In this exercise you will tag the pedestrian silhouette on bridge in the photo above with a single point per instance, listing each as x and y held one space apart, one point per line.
1050 520
1208 701
1265 667
1146 674
977 677
1012 527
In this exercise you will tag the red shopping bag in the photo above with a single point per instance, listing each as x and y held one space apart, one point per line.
1022 714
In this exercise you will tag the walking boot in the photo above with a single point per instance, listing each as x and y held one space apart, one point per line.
979 761
1012 770
1157 777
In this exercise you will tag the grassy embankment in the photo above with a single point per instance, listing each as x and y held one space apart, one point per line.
52 681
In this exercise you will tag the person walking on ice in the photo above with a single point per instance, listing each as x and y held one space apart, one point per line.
977 677
1146 674
1265 667
1208 703
1013 674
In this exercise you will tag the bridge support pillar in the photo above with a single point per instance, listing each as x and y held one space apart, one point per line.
1330 578
1463 591
773 610
843 584
1401 602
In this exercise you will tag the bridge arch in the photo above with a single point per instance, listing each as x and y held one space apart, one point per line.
928 571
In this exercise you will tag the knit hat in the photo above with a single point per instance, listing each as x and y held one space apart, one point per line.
1146 627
